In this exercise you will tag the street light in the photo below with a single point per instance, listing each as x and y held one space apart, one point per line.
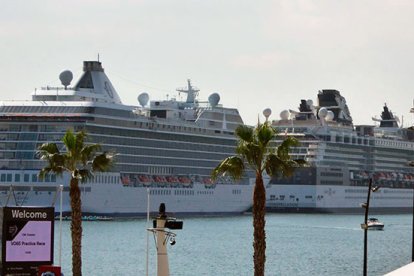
411 164
365 224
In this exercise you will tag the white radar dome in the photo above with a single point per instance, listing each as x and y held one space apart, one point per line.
267 112
330 116
214 99
309 102
66 77
143 99
323 112
284 115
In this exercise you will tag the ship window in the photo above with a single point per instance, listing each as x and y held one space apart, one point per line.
15 127
26 177
3 177
34 178
17 177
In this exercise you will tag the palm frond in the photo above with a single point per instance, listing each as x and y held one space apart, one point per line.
87 152
102 162
276 166
84 175
43 172
80 138
233 166
48 148
273 164
265 134
288 167
284 147
300 162
251 153
69 140
245 133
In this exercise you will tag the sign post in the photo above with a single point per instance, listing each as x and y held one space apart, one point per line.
27 239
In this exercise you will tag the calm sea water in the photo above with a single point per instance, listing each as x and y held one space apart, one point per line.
297 244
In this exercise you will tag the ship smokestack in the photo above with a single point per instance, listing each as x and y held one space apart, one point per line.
92 66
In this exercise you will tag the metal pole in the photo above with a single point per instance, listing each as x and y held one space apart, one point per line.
60 226
411 164
162 255
366 228
412 240
148 208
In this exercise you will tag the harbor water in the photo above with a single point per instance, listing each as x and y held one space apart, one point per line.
297 244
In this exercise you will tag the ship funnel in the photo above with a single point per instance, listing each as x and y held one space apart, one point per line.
95 85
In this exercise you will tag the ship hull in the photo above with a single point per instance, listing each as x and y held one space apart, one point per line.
119 200
223 199
336 199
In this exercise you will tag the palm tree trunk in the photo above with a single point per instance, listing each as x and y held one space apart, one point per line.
259 211
76 227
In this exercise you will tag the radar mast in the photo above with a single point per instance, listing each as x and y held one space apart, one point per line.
192 92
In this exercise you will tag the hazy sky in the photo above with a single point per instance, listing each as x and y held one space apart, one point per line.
256 54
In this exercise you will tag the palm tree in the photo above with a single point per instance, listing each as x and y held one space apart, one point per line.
254 149
80 160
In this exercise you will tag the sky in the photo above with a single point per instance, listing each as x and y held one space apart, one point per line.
255 54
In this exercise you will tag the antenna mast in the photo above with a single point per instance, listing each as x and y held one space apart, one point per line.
191 91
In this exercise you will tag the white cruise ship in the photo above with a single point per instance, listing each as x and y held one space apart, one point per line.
342 157
165 149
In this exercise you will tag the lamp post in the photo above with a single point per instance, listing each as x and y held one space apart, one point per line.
411 164
412 238
365 224
162 234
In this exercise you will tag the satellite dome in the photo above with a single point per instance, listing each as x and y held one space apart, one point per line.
330 116
214 99
323 112
267 112
284 115
309 102
143 99
66 77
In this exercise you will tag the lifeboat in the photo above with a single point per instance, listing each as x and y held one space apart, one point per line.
125 180
172 180
159 180
144 179
208 183
185 180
